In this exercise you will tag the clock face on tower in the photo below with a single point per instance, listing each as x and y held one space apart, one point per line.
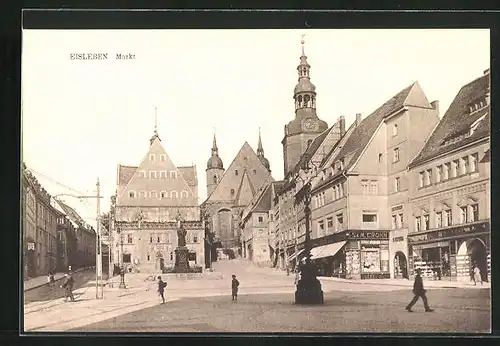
309 124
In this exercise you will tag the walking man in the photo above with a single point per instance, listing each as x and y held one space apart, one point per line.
234 287
68 286
418 291
161 288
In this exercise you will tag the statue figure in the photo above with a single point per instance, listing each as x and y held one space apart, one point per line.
181 236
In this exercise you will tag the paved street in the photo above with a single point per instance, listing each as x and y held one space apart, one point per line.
46 292
265 305
457 310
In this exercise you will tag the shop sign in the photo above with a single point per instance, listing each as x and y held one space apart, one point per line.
375 276
31 246
398 239
450 232
360 234
396 208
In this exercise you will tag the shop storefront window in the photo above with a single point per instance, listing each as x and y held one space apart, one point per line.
370 259
433 262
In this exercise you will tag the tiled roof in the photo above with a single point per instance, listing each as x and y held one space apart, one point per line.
72 214
264 203
189 174
311 149
487 156
457 121
362 134
125 173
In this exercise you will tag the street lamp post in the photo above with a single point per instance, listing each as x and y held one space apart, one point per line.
98 245
308 288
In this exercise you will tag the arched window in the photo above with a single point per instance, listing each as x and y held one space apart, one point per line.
215 179
171 256
307 98
173 194
232 192
300 100
309 142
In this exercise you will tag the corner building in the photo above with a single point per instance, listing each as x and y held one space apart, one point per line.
449 230
360 193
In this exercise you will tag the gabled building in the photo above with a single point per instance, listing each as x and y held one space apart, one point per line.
231 190
363 185
449 215
84 253
254 225
151 200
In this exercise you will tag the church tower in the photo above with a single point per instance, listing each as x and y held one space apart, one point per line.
260 155
306 126
215 169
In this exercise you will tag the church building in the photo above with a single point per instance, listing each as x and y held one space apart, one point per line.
230 191
152 200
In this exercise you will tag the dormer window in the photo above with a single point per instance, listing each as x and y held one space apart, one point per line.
475 124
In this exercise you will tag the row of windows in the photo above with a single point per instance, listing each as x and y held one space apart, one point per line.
369 187
154 194
456 168
191 237
157 174
332 225
444 218
152 157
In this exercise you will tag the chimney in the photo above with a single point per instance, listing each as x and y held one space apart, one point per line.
435 105
358 119
342 125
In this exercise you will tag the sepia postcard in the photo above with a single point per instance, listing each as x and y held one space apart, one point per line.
256 181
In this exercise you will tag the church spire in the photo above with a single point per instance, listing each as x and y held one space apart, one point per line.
260 154
215 150
260 149
215 161
155 132
305 92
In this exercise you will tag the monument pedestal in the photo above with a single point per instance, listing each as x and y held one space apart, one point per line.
181 260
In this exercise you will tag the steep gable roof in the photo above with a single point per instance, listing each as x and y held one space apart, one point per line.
125 173
245 162
264 203
189 174
457 121
156 160
362 134
246 191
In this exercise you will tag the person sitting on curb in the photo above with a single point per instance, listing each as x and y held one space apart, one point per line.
418 291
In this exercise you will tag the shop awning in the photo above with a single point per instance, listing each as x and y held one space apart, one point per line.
328 250
292 257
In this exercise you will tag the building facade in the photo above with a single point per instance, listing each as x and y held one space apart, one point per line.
152 200
449 228
362 181
230 191
39 228
255 234
78 239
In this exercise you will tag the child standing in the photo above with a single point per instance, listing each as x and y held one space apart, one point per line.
234 287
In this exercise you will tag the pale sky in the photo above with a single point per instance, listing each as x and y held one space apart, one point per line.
83 117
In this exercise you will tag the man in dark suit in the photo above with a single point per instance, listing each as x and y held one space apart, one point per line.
418 291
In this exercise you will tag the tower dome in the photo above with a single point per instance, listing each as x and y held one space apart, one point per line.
215 161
